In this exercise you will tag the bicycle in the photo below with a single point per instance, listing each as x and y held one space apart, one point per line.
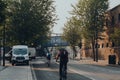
48 57
48 63
64 73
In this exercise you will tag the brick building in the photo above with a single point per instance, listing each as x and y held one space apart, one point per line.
106 46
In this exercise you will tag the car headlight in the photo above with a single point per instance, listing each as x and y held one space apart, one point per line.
27 57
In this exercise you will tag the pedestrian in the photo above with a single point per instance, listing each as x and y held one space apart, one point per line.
63 55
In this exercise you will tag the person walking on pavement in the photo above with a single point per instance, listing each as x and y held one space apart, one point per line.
63 55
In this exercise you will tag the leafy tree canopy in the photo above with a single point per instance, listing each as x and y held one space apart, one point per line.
30 20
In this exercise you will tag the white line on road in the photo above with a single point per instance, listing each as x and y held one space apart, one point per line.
33 72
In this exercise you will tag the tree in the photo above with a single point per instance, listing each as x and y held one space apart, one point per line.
2 15
31 21
2 11
90 17
81 12
97 19
71 34
114 37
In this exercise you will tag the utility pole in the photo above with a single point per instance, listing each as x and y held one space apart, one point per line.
4 45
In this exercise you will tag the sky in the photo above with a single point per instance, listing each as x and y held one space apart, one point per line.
63 8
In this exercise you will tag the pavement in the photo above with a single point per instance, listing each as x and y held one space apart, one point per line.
2 68
15 73
99 63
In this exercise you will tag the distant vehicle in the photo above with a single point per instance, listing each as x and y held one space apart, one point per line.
20 54
32 53
8 56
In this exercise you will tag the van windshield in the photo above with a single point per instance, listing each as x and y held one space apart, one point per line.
20 51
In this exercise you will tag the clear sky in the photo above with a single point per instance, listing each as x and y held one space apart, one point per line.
63 7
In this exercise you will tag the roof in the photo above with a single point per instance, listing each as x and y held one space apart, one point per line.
114 7
20 46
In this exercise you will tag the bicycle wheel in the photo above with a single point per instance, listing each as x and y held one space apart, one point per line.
64 77
48 63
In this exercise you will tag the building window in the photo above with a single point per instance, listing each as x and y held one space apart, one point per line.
107 45
102 45
113 21
98 45
107 22
119 17
113 44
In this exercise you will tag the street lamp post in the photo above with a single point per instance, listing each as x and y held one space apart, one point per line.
0 50
4 45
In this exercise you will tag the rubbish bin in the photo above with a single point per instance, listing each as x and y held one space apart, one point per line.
112 59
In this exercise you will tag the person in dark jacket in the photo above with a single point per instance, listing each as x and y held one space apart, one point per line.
63 55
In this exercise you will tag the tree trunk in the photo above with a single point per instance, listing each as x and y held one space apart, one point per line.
93 49
74 52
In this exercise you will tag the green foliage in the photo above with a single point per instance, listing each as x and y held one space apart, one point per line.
71 32
2 11
114 37
96 14
2 17
86 23
30 21
90 17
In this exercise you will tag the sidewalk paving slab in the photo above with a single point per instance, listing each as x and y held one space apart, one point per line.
99 63
15 73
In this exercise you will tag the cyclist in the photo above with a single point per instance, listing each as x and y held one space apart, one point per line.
63 54
48 56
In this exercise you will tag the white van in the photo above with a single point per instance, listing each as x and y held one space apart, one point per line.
32 52
20 54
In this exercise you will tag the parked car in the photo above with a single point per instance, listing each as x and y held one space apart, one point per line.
32 52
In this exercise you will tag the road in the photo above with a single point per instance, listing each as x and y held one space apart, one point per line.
96 72
42 72
76 71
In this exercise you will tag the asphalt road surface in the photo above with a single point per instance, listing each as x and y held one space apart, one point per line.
41 71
